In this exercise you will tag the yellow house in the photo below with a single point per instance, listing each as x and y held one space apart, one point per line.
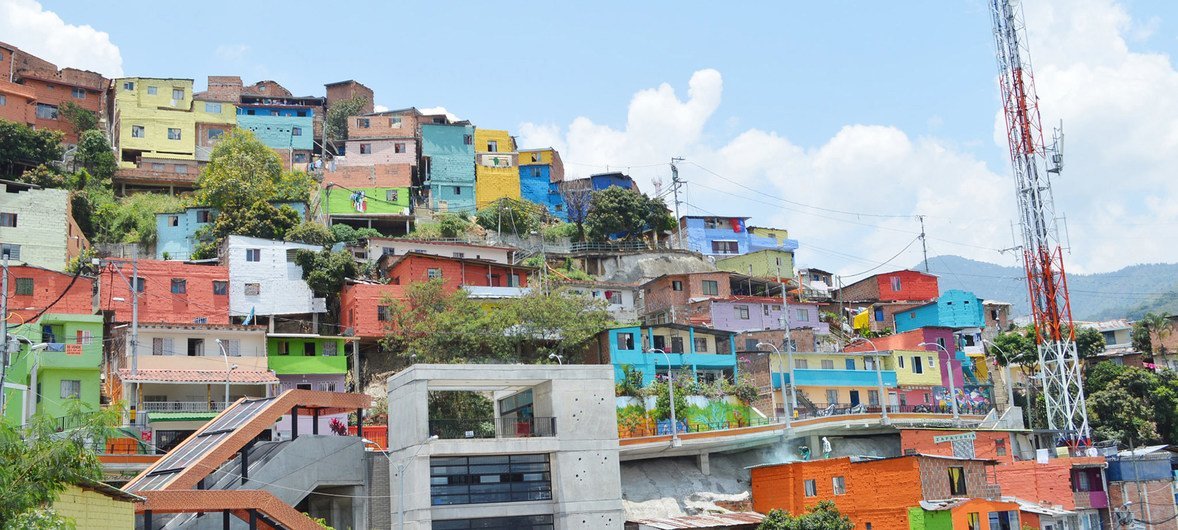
153 118
496 166
841 379
97 506
214 119
917 372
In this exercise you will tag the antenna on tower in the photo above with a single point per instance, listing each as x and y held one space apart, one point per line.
675 183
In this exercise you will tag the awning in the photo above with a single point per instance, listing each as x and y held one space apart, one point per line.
253 377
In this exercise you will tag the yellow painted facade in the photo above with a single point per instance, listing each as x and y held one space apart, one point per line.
496 166
907 376
153 123
536 157
780 234
205 112
94 511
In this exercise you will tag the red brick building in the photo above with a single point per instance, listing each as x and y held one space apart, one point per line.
32 289
676 291
364 308
374 176
49 88
342 90
170 292
896 286
455 273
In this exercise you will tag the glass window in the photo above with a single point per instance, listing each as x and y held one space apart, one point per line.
137 131
917 366
129 85
204 216
896 283
384 313
296 131
489 479
3 100
832 395
179 286
220 287
46 112
711 287
957 481
395 121
801 364
468 139
725 247
151 90
973 521
840 485
78 93
492 146
803 315
365 149
212 108
161 346
828 364
676 285
701 345
71 388
253 289
391 195
625 341
873 397
283 347
215 134
253 254
433 273
24 286
1002 521
399 147
232 347
1000 447
362 123
173 133
11 250
513 522
811 487
177 93
742 312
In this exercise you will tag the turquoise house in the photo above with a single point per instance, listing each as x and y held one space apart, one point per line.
709 354
176 232
447 153
49 380
955 309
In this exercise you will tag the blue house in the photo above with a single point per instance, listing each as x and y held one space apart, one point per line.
708 353
176 232
602 181
953 309
729 236
540 175
447 156
282 123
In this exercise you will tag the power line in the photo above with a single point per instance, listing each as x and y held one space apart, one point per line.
905 249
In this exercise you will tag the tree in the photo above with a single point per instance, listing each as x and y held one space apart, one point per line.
241 172
1159 327
577 202
80 118
260 219
23 147
336 123
616 211
1089 342
822 516
510 215
94 154
1117 414
325 271
560 323
311 233
348 235
452 225
37 463
129 219
1140 338
44 176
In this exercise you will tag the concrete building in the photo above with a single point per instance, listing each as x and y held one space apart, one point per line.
817 284
306 361
1145 478
479 277
728 236
169 292
826 382
621 299
32 90
216 115
282 122
997 318
373 249
66 370
37 226
709 354
378 138
378 196
766 263
97 506
548 459
176 232
364 309
952 309
753 313
540 174
447 162
496 167
153 118
264 280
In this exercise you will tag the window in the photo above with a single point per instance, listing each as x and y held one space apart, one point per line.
296 131
362 123
253 254
308 349
161 346
765 309
711 287
1003 521
196 347
390 195
388 251
811 487
8 220
460 254
304 386
204 216
78 93
301 113
384 313
152 90
179 286
173 133
24 286
365 149
71 388
177 93
512 522
457 190
253 289
173 220
492 146
399 147
1081 481
484 479
625 341
84 337
801 364
873 397
10 250
212 108
840 485
283 347
158 166
220 287
232 347
896 283
330 348
327 386
917 365
433 273
292 255
137 131
957 481
3 100
973 521
725 247
832 396
181 169
1000 447
701 345
395 121
468 139
141 285
742 312
827 364
300 158
46 112
900 361
129 85
803 315
676 285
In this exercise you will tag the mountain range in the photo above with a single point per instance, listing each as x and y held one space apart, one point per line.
1126 293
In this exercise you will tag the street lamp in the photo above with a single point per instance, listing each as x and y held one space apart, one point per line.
793 403
883 391
675 442
952 387
554 357
401 477
1005 373
228 370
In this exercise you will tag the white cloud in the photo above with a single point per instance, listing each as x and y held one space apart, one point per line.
1120 109
231 52
28 26
439 110
380 108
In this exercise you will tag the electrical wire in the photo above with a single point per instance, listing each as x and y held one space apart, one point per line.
889 260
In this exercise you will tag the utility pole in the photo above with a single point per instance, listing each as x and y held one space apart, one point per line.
675 188
923 245
3 336
785 311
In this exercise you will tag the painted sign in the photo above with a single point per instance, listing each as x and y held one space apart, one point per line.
955 437
73 349
495 160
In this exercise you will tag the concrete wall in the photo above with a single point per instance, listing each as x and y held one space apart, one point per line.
156 113
157 303
176 232
92 510
764 263
451 174
376 248
764 315
43 226
283 291
376 201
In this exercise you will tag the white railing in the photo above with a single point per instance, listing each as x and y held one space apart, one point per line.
183 406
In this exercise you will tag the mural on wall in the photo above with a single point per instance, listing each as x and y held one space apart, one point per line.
636 417
971 399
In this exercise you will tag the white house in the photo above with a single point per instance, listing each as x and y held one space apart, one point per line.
621 299
378 247
264 279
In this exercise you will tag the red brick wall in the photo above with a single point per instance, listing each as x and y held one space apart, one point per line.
985 446
455 273
376 176
913 286
659 296
349 90
1050 482
358 303
380 126
1158 495
878 492
157 303
47 286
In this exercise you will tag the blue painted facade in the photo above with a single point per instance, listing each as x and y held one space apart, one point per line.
450 174
650 363
279 126
837 377
1139 468
727 236
535 185
955 309
602 181
176 231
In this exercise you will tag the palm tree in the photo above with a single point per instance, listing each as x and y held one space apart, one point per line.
1159 326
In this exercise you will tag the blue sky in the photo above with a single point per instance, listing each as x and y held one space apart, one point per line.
872 107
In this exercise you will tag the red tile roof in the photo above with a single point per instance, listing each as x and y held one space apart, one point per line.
198 376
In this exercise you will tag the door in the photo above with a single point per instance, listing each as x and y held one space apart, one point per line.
854 397
660 342
677 344
850 364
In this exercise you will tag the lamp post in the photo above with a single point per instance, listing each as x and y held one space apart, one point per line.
33 349
1005 373
883 391
554 357
671 395
952 387
228 370
792 404
401 477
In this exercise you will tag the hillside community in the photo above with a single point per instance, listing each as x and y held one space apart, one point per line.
229 306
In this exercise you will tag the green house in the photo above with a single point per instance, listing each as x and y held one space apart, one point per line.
48 380
300 359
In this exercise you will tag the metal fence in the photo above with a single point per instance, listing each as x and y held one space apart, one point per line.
452 429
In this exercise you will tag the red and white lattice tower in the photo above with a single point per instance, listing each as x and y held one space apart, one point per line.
1034 163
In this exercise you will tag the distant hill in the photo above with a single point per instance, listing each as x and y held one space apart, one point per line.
1126 293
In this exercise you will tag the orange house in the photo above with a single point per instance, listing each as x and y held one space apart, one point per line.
926 491
170 292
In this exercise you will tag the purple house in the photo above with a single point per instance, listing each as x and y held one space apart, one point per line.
757 313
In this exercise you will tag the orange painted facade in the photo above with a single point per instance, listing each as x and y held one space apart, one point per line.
359 303
47 286
455 272
990 445
1049 483
159 302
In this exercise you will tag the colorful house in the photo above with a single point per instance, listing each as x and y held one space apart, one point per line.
729 236
753 313
37 226
447 158
953 309
382 138
767 263
68 367
215 117
496 167
284 123
899 493
264 279
176 232
97 506
895 286
837 380
709 354
480 277
376 196
540 174
305 361
971 394
34 89
153 118
169 292
365 309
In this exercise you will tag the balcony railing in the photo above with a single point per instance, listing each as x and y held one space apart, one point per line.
822 410
182 406
663 428
453 429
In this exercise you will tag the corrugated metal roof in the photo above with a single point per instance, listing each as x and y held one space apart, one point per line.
703 521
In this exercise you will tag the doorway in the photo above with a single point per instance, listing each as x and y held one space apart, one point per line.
854 394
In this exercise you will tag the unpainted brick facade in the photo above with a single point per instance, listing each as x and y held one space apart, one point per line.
677 291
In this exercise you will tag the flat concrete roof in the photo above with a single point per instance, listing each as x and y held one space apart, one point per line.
493 377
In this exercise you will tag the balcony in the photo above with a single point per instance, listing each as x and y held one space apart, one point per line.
182 406
835 377
455 429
